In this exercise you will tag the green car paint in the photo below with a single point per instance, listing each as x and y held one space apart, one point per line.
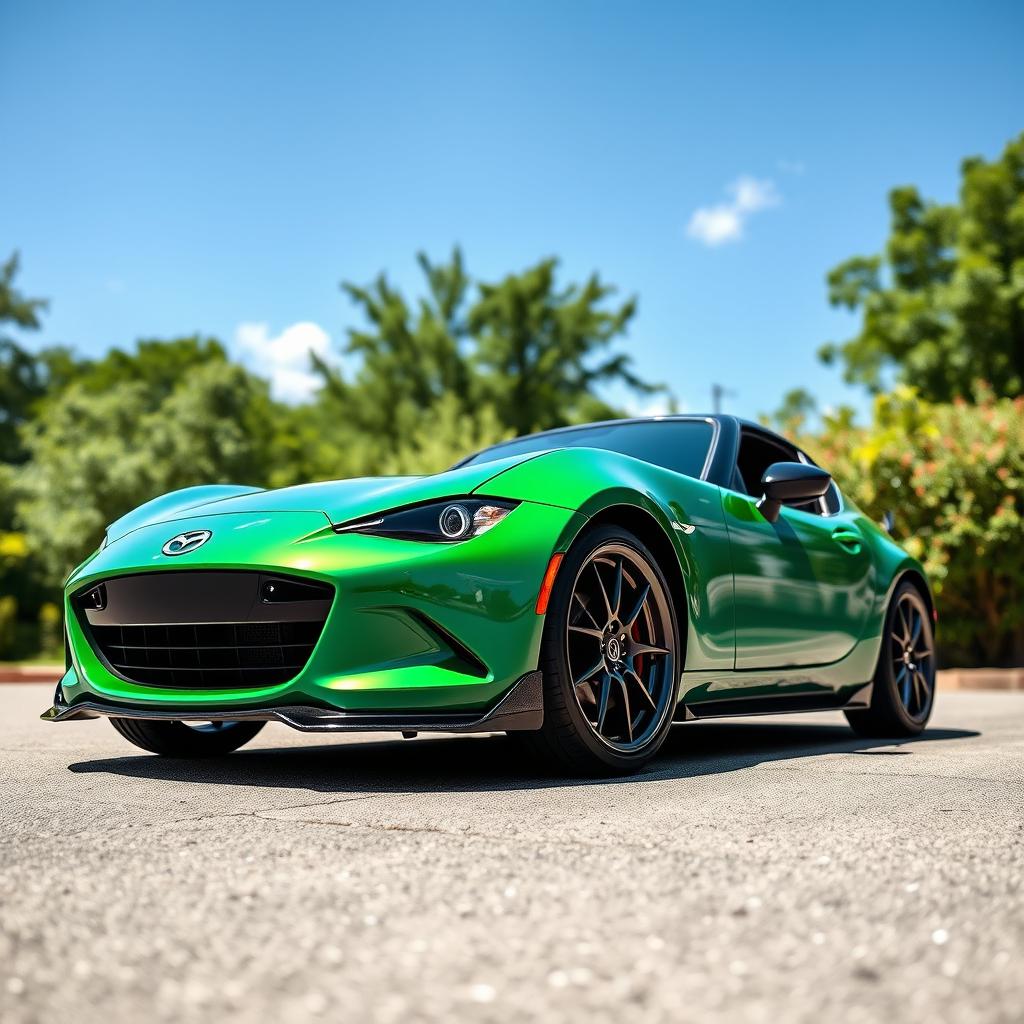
373 652
596 482
795 606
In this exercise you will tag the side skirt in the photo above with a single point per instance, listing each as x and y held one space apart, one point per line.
776 704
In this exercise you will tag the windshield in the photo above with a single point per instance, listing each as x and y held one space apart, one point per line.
679 445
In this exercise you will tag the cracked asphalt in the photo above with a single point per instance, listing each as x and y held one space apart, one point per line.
761 870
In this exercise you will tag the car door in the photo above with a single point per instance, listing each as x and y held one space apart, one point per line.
802 586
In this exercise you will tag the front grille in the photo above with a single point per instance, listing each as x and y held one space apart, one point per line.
269 644
209 656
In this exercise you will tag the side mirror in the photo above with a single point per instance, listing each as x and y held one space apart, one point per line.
786 482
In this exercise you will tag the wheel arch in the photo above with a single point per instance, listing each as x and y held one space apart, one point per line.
911 574
645 526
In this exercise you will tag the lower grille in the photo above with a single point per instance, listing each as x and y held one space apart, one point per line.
277 622
205 656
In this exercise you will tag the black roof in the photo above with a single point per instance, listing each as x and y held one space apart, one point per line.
726 444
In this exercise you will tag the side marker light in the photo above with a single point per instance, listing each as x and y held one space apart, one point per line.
548 583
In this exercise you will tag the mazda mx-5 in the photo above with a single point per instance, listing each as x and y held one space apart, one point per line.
581 589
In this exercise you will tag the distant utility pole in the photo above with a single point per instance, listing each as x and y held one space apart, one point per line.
717 394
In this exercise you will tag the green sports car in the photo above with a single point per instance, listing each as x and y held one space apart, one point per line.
581 589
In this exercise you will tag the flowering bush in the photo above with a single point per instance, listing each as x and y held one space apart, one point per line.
953 475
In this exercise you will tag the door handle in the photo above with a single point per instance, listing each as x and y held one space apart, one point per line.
848 540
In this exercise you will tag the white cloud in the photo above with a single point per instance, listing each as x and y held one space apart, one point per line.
724 222
284 359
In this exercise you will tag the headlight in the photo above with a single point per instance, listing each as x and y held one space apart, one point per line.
442 521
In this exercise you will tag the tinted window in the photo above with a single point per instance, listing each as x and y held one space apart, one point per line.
757 453
679 445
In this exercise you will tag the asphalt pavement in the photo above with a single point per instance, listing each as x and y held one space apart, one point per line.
771 869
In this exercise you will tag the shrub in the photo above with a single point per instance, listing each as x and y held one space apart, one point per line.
953 475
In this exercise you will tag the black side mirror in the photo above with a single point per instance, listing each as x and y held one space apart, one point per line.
786 482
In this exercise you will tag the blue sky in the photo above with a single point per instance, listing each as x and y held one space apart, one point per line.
171 168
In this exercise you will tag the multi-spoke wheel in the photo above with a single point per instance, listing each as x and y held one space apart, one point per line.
911 655
186 739
609 656
616 640
905 677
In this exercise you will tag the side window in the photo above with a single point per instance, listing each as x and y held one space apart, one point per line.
757 453
829 503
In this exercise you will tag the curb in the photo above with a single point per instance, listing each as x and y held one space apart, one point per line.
31 673
1001 679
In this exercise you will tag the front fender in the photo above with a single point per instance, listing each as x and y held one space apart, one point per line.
687 511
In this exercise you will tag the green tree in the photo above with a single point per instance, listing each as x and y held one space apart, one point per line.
794 412
407 356
518 355
22 378
131 428
446 433
541 350
160 366
944 305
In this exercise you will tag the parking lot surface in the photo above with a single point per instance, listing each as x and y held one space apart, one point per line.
771 869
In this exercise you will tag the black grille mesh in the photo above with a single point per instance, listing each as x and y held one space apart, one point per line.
207 655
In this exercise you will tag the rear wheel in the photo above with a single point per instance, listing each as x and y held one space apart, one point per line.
904 690
609 657
186 739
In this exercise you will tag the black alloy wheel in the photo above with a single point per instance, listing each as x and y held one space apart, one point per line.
904 685
617 646
610 656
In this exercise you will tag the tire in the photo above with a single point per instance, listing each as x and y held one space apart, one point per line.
179 739
620 730
904 690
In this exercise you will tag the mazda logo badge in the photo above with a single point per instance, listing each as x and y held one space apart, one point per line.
186 542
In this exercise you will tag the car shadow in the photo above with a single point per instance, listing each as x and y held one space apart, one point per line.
495 763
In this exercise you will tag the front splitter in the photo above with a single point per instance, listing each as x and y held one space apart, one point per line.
520 709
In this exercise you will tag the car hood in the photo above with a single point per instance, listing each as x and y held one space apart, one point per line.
340 500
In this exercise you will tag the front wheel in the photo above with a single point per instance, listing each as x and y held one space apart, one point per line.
904 690
185 739
610 657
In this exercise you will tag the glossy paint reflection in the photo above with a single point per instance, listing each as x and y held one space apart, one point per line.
801 597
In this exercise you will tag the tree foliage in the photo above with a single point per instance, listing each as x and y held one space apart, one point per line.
943 306
408 356
521 354
128 431
24 379
953 475
22 375
540 350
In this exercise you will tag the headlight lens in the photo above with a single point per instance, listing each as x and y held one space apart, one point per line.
443 522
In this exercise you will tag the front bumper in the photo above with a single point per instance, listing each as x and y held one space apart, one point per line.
414 629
